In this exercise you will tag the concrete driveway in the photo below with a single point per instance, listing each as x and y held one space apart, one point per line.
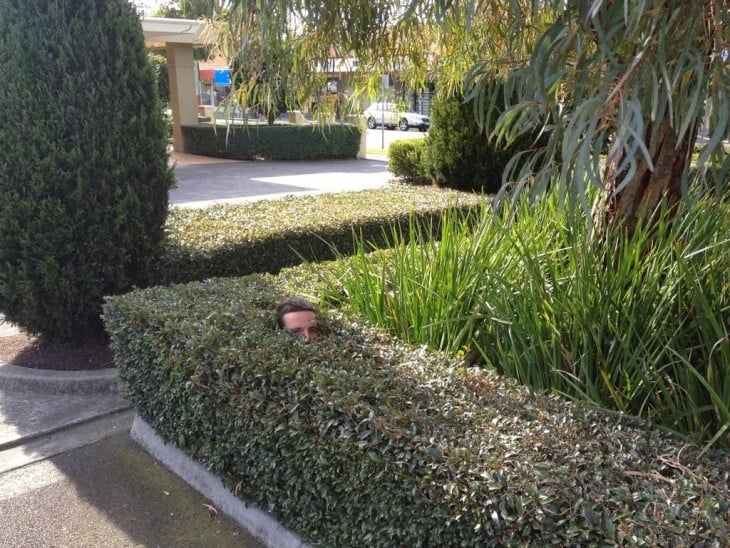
205 181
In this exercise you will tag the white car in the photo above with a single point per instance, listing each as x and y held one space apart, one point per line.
387 114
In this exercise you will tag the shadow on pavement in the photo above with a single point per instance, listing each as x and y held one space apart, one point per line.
206 183
109 493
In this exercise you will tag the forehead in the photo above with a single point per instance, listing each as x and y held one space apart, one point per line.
301 318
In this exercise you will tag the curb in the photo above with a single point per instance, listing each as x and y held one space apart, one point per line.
117 411
258 523
14 378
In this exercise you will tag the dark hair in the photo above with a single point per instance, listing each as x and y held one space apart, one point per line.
291 304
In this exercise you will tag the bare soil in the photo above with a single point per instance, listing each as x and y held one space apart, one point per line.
34 352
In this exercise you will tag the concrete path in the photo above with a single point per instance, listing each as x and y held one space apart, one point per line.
70 474
206 181
108 493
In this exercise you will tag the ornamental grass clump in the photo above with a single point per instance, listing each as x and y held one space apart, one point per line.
357 439
637 323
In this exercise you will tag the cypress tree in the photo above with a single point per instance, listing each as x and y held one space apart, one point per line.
458 152
84 176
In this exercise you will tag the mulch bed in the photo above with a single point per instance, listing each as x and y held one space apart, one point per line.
34 352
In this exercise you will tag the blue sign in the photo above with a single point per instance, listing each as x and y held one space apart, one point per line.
222 77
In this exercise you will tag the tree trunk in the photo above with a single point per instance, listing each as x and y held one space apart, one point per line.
646 189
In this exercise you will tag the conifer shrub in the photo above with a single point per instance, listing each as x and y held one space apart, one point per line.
459 154
83 168
159 64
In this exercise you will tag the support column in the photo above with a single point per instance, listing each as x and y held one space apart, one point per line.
181 71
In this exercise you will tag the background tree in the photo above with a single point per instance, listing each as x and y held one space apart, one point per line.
458 152
84 178
187 9
273 62
630 77
190 9
159 63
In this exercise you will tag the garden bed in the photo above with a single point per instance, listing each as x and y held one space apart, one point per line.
357 439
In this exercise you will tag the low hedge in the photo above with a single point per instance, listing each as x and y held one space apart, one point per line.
276 142
356 440
267 235
405 161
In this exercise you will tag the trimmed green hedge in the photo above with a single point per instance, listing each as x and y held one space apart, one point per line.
267 235
355 440
405 160
276 142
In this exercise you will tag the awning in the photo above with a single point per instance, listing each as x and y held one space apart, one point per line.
159 31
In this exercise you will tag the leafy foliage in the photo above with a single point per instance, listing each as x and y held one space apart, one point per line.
186 9
159 63
274 66
356 439
622 76
458 153
84 177
405 161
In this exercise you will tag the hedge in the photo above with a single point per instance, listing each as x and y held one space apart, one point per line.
357 440
275 142
405 161
267 235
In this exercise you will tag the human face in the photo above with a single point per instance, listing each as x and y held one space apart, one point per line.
302 323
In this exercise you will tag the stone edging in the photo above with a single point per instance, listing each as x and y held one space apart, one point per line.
258 523
14 378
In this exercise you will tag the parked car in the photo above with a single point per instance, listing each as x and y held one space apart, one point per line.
388 115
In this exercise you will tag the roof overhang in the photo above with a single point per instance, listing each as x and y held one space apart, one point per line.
158 31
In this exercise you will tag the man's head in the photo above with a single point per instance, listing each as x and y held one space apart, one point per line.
298 316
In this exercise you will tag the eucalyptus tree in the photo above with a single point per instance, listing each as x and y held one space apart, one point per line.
634 79
631 79
287 44
186 9
273 63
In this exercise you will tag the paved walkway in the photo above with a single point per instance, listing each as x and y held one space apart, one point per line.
206 181
70 475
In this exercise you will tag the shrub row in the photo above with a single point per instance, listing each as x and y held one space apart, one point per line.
405 161
357 440
267 235
275 142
